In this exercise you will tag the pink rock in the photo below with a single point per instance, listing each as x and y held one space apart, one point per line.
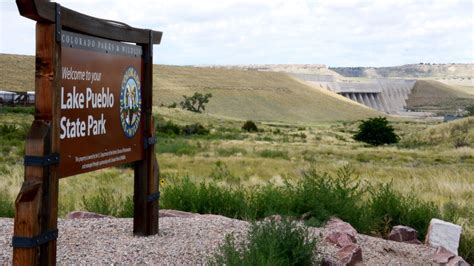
350 255
328 262
402 233
85 215
340 233
442 255
457 261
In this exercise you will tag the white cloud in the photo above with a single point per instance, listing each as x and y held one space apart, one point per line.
251 31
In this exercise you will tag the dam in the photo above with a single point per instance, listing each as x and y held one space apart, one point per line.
385 95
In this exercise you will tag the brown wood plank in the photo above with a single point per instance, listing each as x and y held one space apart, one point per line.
38 214
146 181
42 10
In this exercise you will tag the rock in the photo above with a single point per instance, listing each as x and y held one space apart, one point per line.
442 255
328 262
174 213
340 233
350 254
443 234
457 261
401 233
85 215
273 218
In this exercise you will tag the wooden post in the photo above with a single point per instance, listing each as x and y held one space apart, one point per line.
37 203
145 219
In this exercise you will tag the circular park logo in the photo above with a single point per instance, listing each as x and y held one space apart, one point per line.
130 102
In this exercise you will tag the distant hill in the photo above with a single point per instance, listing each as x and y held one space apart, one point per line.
237 94
434 96
458 71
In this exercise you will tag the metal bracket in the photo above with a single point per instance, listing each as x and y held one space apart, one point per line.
57 18
41 160
153 197
149 141
31 242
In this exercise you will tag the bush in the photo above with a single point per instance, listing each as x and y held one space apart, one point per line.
196 103
7 208
268 243
250 126
470 110
167 128
274 154
376 131
195 129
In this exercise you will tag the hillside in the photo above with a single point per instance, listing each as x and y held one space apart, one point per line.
434 96
237 94
458 71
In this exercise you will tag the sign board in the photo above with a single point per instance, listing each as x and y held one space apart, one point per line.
93 109
101 103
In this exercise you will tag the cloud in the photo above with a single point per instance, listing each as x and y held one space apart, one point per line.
334 32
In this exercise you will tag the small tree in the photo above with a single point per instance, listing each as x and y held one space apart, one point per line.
250 126
195 103
470 110
376 131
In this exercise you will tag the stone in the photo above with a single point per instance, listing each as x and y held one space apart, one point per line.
273 218
174 213
457 261
443 234
340 233
328 262
442 255
350 255
85 215
401 233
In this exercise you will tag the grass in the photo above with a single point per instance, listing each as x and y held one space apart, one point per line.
437 97
237 94
269 243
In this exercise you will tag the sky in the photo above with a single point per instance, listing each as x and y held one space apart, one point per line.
330 32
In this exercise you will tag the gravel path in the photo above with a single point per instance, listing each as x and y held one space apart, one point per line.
183 241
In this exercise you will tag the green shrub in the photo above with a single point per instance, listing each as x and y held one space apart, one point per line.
196 103
104 202
195 129
167 128
376 131
269 243
30 110
230 151
250 126
389 208
175 146
7 208
274 154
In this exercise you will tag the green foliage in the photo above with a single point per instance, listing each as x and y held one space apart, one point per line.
389 208
196 103
18 110
7 208
470 110
249 126
316 198
274 154
167 128
268 243
176 146
195 129
376 131
107 202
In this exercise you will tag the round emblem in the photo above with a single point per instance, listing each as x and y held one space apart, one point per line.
130 102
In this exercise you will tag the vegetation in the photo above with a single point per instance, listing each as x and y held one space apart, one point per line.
268 243
376 131
250 126
196 103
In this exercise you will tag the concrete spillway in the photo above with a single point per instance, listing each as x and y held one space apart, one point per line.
385 95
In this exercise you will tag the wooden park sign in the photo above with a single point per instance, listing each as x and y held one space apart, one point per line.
93 109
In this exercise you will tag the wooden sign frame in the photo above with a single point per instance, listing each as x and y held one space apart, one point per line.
35 228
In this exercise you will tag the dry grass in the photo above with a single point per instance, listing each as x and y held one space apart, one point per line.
434 96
